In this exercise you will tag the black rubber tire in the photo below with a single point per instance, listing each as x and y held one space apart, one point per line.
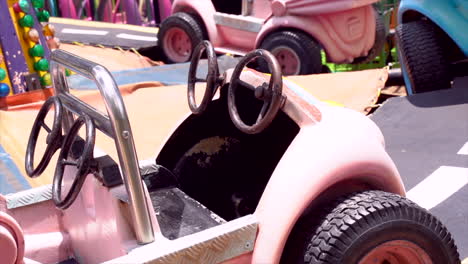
326 69
424 56
305 47
191 24
352 226
379 42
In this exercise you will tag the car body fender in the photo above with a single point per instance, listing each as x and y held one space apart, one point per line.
344 35
318 158
205 10
449 15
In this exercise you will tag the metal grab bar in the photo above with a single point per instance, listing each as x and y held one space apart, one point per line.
115 125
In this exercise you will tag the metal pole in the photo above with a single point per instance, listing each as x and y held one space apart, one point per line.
122 132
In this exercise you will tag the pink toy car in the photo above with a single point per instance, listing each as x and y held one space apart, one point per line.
284 178
295 31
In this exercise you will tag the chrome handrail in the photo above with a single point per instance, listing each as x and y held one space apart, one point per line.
115 125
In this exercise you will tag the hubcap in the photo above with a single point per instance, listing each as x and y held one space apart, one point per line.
288 60
177 45
396 252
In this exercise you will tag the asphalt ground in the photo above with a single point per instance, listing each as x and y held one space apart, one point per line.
427 137
105 34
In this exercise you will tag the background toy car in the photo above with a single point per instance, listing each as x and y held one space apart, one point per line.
388 54
431 41
294 31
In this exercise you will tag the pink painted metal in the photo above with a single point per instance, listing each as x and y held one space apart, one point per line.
344 35
11 239
259 9
315 7
8 245
344 28
45 241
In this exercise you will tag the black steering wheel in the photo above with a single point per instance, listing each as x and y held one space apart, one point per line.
78 153
53 140
212 79
270 93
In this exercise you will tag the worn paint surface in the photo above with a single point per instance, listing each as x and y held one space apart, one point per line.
209 147
18 81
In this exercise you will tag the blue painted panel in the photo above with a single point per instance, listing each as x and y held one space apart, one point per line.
170 74
11 179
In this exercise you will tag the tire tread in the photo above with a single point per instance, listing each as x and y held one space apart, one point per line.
355 212
425 50
308 48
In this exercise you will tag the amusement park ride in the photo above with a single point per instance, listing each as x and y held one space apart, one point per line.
259 172
142 13
264 202
25 41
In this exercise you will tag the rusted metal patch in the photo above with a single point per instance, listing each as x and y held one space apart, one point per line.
204 150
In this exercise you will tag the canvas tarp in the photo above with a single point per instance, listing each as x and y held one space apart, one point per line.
155 110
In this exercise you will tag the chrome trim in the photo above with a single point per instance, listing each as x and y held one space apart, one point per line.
245 23
247 7
115 125
148 166
210 246
78 107
29 197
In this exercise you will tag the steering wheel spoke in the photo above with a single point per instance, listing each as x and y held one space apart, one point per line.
46 127
83 163
53 138
270 93
245 84
211 78
263 111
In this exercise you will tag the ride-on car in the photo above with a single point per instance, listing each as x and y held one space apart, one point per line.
260 172
432 45
295 31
